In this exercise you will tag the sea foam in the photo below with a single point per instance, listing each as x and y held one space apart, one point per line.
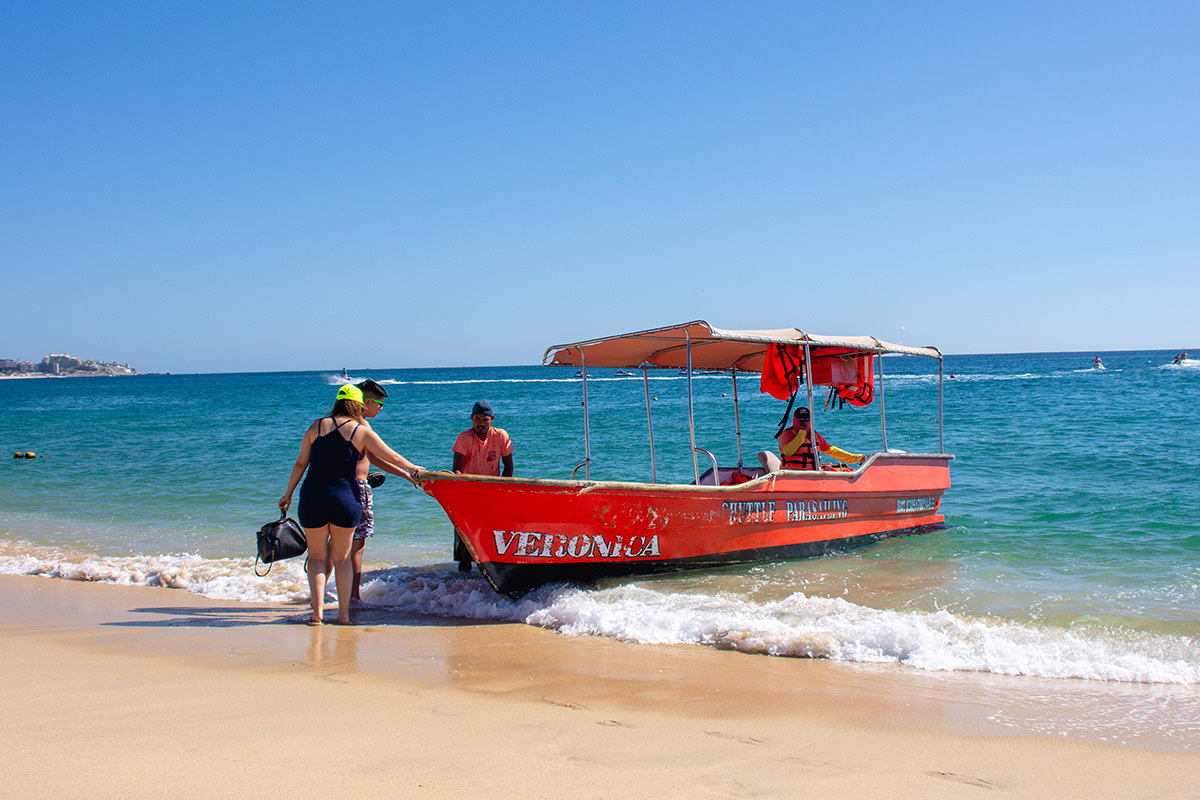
799 625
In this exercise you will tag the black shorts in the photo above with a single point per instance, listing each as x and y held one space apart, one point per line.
338 504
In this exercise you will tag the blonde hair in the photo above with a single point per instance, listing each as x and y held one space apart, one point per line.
348 408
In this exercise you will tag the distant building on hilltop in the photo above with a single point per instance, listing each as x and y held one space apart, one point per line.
64 364
63 361
58 363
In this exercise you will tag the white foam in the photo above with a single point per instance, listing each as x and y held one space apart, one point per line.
834 628
1185 364
798 626
220 579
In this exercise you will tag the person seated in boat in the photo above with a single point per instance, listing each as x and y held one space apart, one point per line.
480 450
1179 359
795 445
1098 364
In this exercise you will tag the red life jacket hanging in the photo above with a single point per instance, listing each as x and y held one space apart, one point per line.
860 390
781 371
852 377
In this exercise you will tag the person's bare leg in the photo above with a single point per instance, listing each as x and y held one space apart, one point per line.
340 540
356 560
318 569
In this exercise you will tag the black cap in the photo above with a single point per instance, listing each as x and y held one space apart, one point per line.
483 407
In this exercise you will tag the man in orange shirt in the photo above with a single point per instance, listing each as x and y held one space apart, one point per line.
481 450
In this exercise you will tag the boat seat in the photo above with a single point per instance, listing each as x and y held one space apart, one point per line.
770 461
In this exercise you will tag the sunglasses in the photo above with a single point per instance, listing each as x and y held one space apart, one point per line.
376 402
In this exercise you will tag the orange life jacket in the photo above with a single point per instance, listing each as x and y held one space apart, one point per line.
862 391
781 371
803 458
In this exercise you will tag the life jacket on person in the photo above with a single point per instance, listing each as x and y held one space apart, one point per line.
803 457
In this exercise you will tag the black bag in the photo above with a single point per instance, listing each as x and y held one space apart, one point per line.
283 538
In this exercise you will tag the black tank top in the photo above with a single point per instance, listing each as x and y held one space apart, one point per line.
332 456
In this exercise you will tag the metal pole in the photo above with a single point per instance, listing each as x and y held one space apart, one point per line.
737 420
882 416
587 443
941 443
649 423
691 419
812 423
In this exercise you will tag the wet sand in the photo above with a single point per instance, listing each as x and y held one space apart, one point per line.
131 691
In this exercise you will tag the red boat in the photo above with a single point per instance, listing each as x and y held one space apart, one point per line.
525 532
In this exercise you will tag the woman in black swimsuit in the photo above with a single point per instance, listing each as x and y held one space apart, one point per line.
330 505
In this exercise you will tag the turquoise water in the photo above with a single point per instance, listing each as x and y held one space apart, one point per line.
1072 548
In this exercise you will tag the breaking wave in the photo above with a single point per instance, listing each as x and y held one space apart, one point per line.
797 626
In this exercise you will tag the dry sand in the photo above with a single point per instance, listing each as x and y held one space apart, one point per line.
120 691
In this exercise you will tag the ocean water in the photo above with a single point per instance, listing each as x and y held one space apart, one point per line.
1072 552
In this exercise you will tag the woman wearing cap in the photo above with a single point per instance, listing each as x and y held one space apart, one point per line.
330 499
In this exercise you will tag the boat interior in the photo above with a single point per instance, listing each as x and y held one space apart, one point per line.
730 476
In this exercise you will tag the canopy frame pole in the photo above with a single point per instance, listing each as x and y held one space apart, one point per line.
812 423
649 423
941 442
737 420
882 414
587 442
691 417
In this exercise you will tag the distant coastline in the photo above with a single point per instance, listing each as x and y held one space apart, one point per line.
12 376
62 365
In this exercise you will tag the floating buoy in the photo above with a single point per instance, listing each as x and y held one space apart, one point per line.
18 455
31 454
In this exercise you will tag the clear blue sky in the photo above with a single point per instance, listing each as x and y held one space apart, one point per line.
227 186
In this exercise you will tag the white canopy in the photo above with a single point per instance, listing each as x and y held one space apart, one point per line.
712 348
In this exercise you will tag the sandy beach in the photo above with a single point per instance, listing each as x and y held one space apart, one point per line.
135 692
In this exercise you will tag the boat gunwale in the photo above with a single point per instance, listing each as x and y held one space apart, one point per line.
638 486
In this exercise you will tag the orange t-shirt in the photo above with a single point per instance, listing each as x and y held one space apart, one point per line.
483 457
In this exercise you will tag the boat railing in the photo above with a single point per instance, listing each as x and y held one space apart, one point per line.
716 472
583 463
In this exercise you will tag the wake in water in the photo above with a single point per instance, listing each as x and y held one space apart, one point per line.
796 626
1187 364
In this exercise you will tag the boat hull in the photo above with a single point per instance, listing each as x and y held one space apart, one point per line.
525 532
